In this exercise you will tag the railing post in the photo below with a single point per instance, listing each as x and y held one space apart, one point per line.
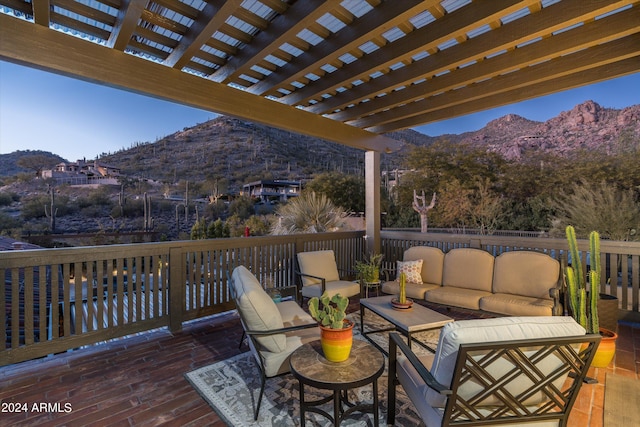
177 283
372 201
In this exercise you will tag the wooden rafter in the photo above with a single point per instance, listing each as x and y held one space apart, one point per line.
342 71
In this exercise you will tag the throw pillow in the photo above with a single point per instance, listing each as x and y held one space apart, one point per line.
411 269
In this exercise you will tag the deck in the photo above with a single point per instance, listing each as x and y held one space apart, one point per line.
139 380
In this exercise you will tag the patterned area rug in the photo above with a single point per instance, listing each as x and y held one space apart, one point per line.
232 386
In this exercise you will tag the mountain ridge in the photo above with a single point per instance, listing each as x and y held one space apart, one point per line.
239 151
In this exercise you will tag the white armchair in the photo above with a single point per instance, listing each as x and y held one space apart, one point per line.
274 330
319 272
504 371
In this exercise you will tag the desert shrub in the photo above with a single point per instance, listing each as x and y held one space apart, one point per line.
258 225
218 229
241 207
33 207
92 211
8 223
7 198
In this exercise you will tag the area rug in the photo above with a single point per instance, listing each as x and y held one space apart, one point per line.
621 401
232 386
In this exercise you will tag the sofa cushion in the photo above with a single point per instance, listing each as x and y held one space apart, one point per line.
411 269
413 290
516 305
319 264
525 273
468 268
458 297
432 260
456 333
257 309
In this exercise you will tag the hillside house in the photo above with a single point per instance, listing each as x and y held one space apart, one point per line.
270 190
82 172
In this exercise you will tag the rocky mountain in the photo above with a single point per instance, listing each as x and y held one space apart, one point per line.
588 126
242 152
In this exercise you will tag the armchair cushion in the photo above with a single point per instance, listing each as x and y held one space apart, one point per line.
490 330
342 287
320 264
257 309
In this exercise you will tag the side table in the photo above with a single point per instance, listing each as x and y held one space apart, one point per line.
371 285
364 366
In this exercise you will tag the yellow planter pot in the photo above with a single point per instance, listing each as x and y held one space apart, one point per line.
606 350
336 343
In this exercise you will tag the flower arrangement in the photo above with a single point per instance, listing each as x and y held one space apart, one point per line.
329 312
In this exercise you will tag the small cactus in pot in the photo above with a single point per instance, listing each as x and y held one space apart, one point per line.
329 312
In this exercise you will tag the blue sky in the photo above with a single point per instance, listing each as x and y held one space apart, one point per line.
76 119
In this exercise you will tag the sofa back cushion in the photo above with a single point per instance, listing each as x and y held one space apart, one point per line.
320 264
432 260
468 268
257 309
493 330
525 273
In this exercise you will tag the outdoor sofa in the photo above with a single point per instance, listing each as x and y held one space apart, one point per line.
516 283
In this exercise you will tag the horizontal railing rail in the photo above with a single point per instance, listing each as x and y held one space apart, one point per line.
55 300
619 260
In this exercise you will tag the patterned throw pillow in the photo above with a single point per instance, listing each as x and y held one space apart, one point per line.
411 269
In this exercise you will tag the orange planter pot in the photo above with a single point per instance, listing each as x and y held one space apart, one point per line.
606 350
336 343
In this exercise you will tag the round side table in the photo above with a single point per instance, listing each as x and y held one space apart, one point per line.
371 285
364 366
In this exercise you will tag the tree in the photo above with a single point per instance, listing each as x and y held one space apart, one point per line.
454 205
602 207
242 207
308 213
199 230
342 189
36 162
486 208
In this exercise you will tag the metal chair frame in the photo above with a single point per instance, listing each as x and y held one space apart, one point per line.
471 366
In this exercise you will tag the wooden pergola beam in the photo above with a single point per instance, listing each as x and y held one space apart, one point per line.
53 51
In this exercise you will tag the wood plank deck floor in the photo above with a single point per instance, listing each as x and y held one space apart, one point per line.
140 380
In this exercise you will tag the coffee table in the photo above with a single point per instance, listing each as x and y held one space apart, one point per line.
364 366
407 322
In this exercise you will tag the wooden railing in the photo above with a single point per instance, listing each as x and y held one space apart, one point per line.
59 299
620 260
55 300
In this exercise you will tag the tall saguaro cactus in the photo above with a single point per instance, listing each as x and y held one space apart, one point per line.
420 205
53 211
583 293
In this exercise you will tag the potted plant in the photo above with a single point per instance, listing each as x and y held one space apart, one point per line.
369 269
336 332
583 294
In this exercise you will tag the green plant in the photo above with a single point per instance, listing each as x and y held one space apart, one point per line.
582 290
329 312
369 269
308 213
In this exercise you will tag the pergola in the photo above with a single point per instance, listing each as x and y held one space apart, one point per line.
347 71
